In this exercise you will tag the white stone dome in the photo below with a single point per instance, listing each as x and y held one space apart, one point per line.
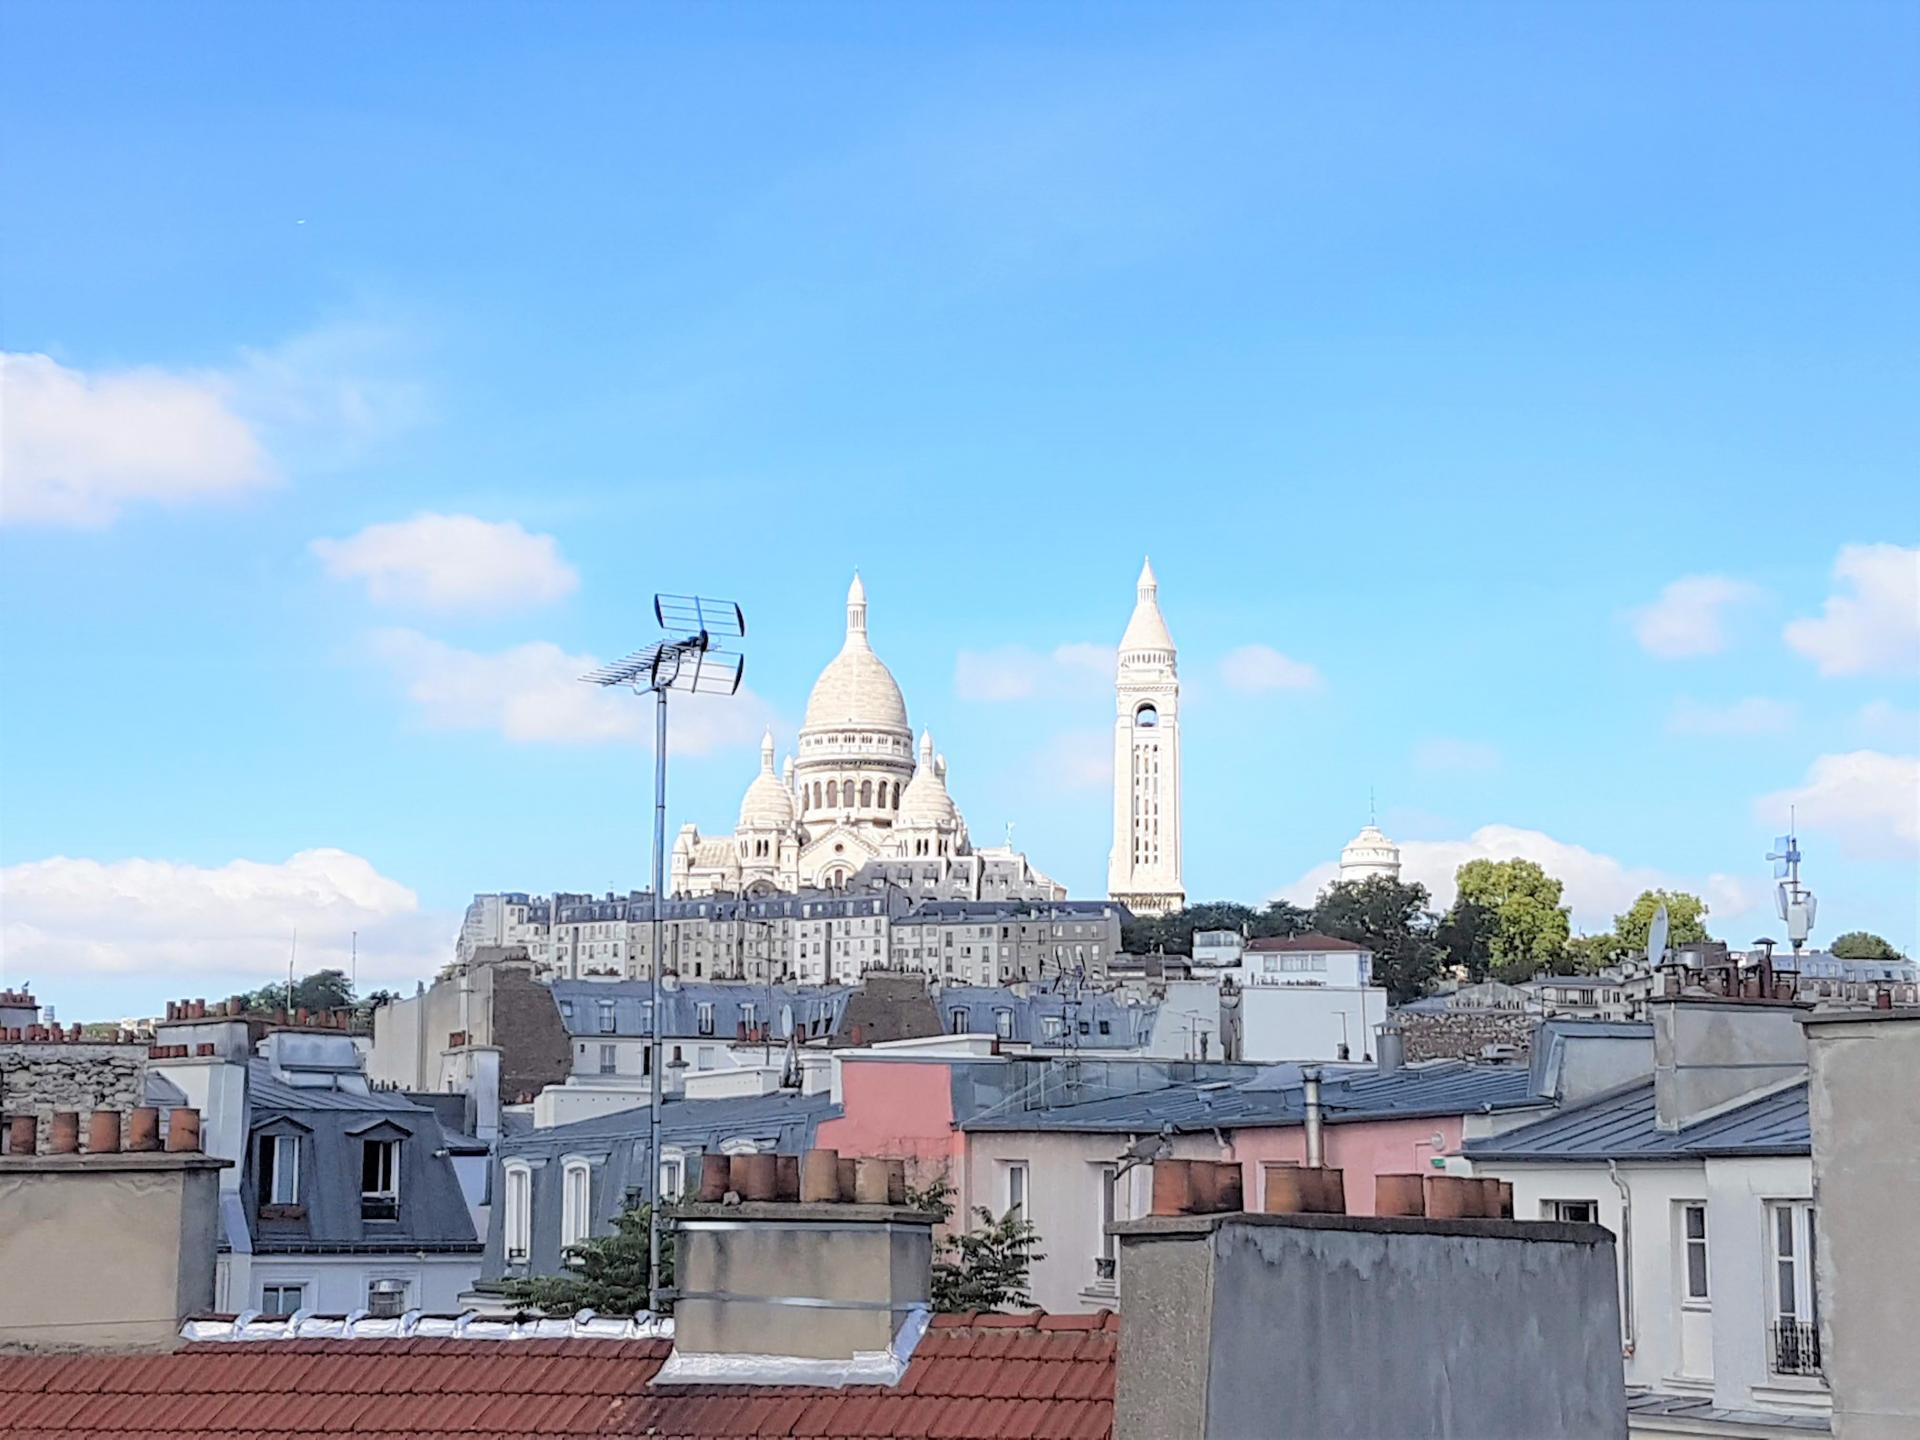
768 805
1370 853
925 803
1147 629
856 690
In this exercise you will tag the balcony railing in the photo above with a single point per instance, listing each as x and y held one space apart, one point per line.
1796 1348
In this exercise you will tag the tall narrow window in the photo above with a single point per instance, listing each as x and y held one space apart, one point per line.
279 1164
606 1017
576 1196
1693 1223
1017 1190
380 1180
1103 1257
609 1059
1796 1310
673 1177
704 1017
519 1213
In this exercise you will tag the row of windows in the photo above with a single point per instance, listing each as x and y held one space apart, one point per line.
278 1171
387 1296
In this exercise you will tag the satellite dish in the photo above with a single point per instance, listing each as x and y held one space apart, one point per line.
1657 938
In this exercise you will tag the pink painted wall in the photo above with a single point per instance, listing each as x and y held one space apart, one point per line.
902 1110
1361 1148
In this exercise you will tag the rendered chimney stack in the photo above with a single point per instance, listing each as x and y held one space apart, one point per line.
793 1269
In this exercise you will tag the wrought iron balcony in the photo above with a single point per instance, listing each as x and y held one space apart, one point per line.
1796 1348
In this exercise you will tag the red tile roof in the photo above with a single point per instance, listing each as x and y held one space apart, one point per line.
973 1377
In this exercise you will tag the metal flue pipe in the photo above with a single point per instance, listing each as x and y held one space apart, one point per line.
1316 1148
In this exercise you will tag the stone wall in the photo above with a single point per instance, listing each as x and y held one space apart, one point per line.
1465 1034
38 1077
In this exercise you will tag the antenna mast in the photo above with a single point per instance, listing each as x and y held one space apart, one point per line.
1793 901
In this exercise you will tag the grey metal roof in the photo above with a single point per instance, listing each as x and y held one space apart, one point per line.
1698 1408
1444 1087
430 1210
1126 1026
814 1010
1620 1126
615 1147
162 1092
267 1092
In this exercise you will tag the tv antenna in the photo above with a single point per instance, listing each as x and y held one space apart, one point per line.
688 660
1792 900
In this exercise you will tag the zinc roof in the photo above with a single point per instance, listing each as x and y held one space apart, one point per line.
1621 1126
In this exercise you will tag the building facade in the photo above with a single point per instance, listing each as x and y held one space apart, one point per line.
857 790
1143 870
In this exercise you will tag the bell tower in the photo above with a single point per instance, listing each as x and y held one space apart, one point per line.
1143 870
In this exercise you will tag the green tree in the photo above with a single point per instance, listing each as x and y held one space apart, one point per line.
607 1273
322 990
1863 945
984 1268
1173 932
1531 926
1686 920
1391 919
1590 954
1465 937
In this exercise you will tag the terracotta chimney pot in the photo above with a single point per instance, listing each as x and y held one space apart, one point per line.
820 1177
786 1176
65 1136
143 1128
714 1171
23 1135
1399 1195
872 1182
183 1129
103 1132
755 1177
1172 1187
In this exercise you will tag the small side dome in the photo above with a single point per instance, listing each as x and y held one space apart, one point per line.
768 805
925 803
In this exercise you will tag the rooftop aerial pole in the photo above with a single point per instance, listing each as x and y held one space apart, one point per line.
688 660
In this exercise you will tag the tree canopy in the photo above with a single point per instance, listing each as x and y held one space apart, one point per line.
984 1268
1391 918
1530 924
1173 932
322 990
606 1274
1864 945
1686 920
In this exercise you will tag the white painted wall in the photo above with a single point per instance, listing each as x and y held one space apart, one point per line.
337 1284
1718 1352
1304 1022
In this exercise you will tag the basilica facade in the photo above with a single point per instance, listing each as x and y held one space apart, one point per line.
857 793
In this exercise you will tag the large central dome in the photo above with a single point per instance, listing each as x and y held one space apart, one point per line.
856 689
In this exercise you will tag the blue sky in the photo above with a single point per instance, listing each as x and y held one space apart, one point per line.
1532 387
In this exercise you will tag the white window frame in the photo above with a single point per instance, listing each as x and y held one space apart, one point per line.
1017 1187
391 1191
1557 1210
1693 1248
286 1169
517 1212
672 1180
576 1200
1793 1293
609 1059
1107 1211
299 1288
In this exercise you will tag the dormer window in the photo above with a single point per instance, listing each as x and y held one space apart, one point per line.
703 1017
380 1180
278 1163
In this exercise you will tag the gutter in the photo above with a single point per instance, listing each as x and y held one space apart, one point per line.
1626 1260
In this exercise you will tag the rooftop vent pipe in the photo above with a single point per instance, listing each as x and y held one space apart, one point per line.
1316 1156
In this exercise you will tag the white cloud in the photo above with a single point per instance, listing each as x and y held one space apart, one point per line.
1876 628
1597 886
76 448
1014 672
1463 756
1255 669
1076 760
534 693
127 917
451 563
1755 715
1688 619
1883 717
1868 800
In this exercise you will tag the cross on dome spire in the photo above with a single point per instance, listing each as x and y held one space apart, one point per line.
856 608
